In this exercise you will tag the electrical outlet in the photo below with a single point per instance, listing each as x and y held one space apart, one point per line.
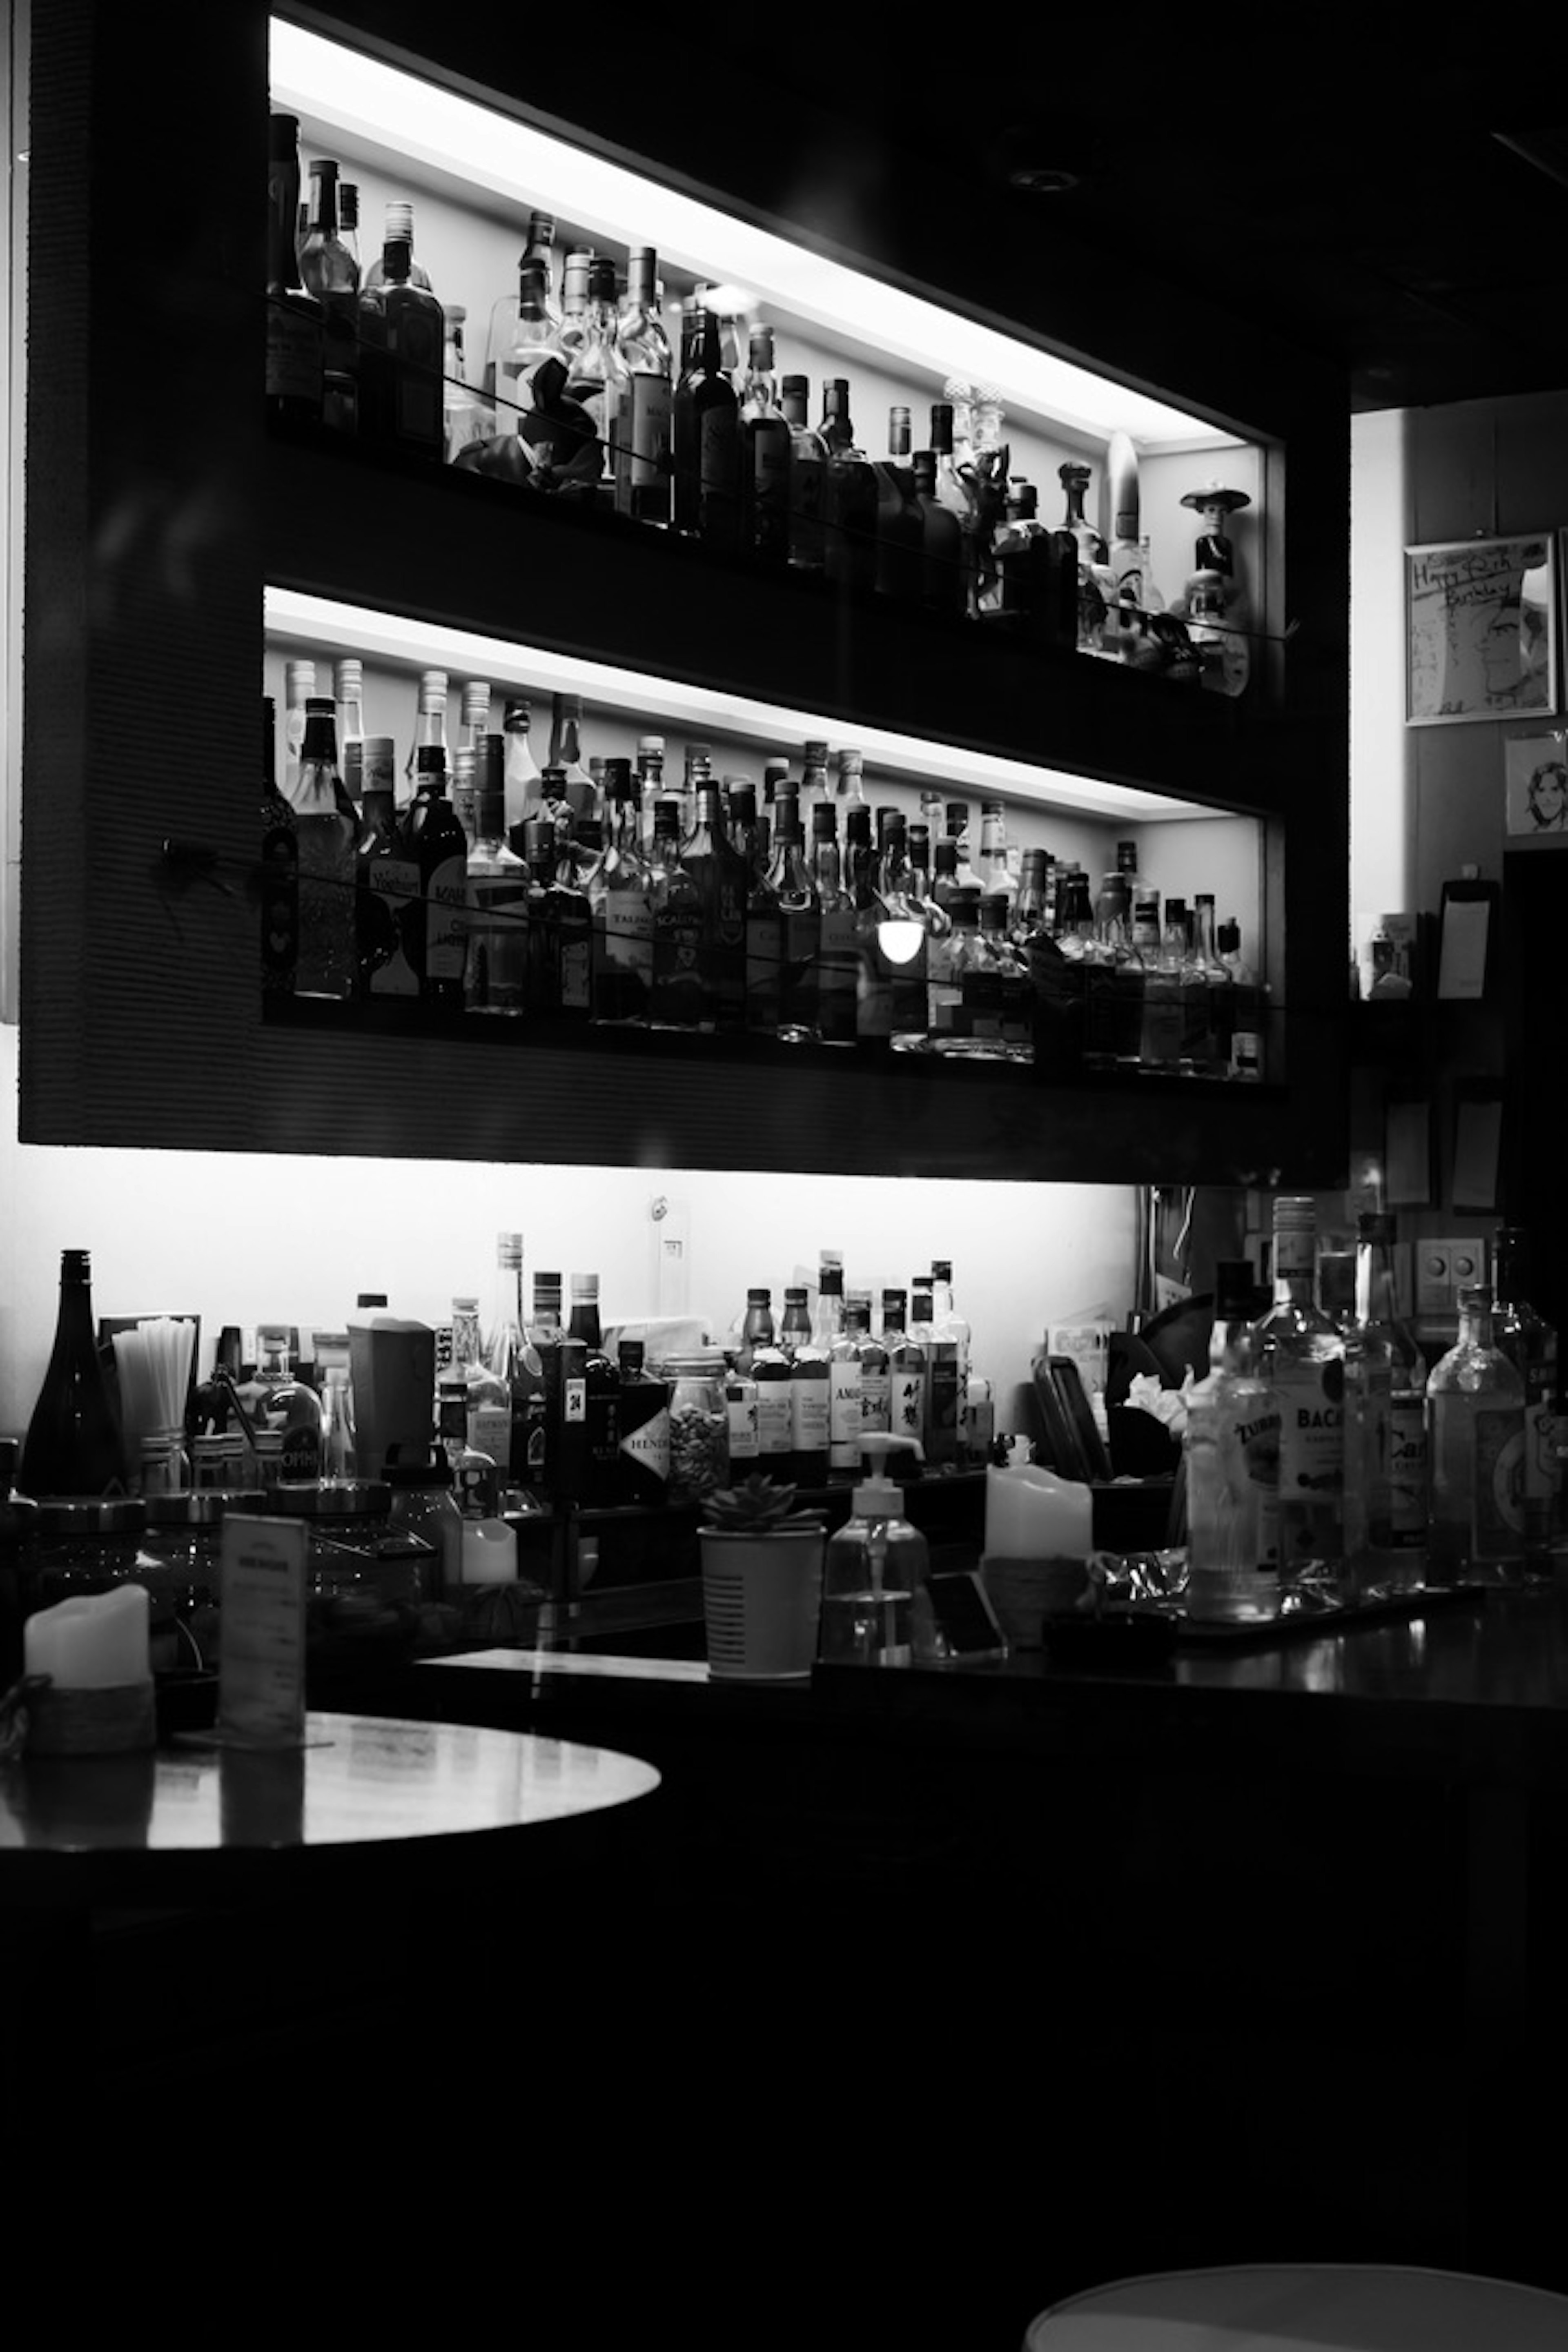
670 1224
1443 1266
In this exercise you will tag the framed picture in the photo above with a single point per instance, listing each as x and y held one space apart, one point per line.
1481 629
1535 778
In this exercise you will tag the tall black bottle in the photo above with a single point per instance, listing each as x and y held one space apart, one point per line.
74 1444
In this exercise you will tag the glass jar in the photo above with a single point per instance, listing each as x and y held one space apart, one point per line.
91 1546
186 1533
348 1523
698 1424
224 1463
166 1466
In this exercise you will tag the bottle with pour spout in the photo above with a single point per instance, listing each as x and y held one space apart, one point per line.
876 1607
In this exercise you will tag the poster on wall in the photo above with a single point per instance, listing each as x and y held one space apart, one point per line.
1481 629
1535 784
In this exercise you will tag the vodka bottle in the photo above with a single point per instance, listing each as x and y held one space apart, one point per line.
1385 1429
1301 1357
1475 1439
1232 1455
1530 1343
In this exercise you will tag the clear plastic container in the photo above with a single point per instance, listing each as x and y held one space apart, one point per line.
876 1605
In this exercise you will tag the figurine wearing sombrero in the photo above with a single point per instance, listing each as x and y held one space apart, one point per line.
1214 591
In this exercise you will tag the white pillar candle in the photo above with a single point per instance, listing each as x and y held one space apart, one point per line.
97 1641
1031 1514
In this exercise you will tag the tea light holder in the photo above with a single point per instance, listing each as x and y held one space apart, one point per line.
95 1693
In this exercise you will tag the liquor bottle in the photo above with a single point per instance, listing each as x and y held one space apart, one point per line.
905 1371
525 331
523 793
515 1361
1126 553
800 925
397 226
330 272
810 1403
486 1397
1530 1343
279 870
946 1374
838 941
997 990
568 915
1095 584
964 876
348 679
294 323
495 976
566 753
1034 586
601 1397
807 476
900 523
622 907
642 458
770 1368
466 417
1161 949
1385 1430
841 1345
764 920
720 872
757 1328
1055 976
440 849
1232 1455
299 686
74 1443
348 222
1337 1287
387 910
1206 998
598 375
402 338
766 441
1301 1357
1475 1447
546 1336
326 836
952 493
681 993
642 1431
706 439
941 541
848 495
429 724
992 870
575 274
795 1323
741 1421
1247 1010
876 1382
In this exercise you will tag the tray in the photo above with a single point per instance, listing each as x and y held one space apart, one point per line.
1299 1624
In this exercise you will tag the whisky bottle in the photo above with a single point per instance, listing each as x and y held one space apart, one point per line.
397 226
388 910
840 1343
849 495
945 1376
810 1402
601 1479
429 725
770 1368
807 476
575 785
401 339
1000 980
525 331
642 455
941 541
326 836
545 1337
279 870
348 679
1530 1343
495 976
705 436
1301 1357
766 442
439 850
720 872
294 323
1475 1442
622 907
876 1390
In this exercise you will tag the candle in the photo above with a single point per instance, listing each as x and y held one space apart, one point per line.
1032 1514
96 1641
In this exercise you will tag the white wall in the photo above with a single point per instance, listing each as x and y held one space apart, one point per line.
242 1238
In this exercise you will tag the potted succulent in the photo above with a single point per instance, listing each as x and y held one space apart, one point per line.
762 1582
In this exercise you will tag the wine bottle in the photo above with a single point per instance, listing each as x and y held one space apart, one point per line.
74 1443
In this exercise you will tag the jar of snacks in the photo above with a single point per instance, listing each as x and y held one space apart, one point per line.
698 1424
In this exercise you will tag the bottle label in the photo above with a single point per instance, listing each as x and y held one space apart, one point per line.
942 1401
1312 1431
845 1414
809 1412
744 1439
648 1444
1540 1443
643 451
390 905
876 1401
490 1432
906 1403
293 351
575 965
446 926
574 1399
775 1425
1407 1471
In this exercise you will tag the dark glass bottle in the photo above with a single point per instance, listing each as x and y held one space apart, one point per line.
1530 1343
849 495
709 502
402 338
330 272
439 850
643 1449
74 1443
800 924
294 373
838 939
765 436
942 585
719 870
683 996
900 524
279 869
807 476
601 1397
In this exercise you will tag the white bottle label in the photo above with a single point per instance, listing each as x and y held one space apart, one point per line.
809 1415
907 1404
650 1443
844 1415
490 1431
1311 1432
774 1424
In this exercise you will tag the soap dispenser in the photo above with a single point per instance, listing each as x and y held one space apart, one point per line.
876 1609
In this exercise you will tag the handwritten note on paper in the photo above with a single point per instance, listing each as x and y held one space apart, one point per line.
1481 629
261 1671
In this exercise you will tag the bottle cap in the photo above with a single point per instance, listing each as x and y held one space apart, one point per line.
879 1496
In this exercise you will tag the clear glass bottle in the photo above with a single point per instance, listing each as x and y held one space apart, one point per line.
397 223
700 1426
794 890
514 1361
681 991
720 872
1301 1357
597 376
838 936
326 837
642 448
841 1342
876 1603
807 476
74 1443
621 898
525 329
465 415
876 1385
495 974
1385 1429
905 1371
1530 1343
329 271
1232 1457
1475 1442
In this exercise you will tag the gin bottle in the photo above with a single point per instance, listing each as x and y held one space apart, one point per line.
1232 1453
1301 1357
1475 1439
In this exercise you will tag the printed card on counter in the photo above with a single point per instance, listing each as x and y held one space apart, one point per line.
261 1671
